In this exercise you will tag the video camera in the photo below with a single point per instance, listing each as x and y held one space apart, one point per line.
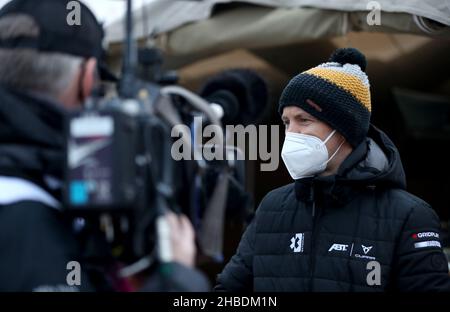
120 175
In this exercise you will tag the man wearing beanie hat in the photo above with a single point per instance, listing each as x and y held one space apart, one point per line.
48 67
346 223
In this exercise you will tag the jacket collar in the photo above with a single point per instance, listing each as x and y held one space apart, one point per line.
333 189
31 137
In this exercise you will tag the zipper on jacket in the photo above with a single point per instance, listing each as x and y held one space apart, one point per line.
312 262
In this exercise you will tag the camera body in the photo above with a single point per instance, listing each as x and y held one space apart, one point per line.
119 172
102 154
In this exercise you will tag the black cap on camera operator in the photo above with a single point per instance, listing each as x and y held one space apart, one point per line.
48 67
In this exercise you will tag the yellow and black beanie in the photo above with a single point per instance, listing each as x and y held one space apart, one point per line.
341 88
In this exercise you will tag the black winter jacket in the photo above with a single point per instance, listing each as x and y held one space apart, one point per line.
323 233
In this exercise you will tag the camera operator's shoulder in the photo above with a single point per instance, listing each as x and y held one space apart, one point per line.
27 209
28 218
275 198
37 242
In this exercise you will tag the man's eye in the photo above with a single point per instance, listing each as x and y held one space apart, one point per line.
304 120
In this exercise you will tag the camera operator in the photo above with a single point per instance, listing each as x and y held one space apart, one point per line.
48 68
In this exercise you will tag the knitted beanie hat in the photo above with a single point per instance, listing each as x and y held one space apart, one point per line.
340 88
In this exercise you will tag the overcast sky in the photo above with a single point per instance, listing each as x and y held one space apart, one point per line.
106 11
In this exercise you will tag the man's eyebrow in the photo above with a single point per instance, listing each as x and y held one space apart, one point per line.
303 115
297 115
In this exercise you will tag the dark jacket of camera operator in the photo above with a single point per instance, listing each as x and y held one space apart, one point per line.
47 67
347 223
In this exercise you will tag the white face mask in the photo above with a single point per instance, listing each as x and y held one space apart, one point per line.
305 155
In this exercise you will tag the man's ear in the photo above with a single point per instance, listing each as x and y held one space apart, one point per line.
89 78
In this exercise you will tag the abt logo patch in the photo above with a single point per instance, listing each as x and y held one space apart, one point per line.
297 242
354 250
338 247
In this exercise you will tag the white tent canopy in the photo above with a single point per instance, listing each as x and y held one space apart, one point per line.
162 16
200 28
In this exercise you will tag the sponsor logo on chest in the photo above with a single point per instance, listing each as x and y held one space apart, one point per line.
353 250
